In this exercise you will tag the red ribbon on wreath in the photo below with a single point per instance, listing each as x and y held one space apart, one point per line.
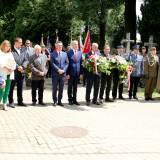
129 72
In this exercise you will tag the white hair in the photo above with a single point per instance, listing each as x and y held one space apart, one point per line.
37 47
95 44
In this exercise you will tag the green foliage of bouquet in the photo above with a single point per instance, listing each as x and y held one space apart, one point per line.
88 64
102 65
122 66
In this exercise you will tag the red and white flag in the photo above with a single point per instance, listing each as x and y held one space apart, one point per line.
87 44
80 43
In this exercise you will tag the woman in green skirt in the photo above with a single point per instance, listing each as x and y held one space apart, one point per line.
7 67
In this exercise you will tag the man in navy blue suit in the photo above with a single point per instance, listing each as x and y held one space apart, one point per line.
73 72
59 62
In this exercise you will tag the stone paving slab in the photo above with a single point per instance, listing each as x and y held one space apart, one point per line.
123 130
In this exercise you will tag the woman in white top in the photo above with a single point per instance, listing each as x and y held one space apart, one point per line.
7 67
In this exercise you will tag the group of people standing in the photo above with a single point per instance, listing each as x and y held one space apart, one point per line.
13 64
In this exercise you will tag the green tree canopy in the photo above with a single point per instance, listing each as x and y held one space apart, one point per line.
150 22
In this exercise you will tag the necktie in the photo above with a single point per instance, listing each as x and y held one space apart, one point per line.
59 56
75 56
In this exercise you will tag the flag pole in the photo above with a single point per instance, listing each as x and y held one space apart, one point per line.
57 38
42 42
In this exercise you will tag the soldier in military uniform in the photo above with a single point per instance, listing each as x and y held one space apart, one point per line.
151 63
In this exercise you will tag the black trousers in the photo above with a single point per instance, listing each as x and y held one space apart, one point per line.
57 85
84 76
92 80
49 70
116 85
37 84
19 82
72 88
105 79
133 86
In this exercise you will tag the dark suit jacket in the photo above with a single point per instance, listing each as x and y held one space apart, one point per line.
90 53
58 62
28 51
21 60
75 67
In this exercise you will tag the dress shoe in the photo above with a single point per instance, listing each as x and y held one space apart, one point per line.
87 103
150 98
54 104
34 104
22 104
76 103
96 103
108 100
70 103
130 97
42 104
114 98
11 105
121 98
60 104
135 97
101 101
146 99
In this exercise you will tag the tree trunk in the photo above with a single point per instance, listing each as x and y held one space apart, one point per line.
102 25
130 18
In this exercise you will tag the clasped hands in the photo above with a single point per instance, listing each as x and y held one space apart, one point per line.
20 69
60 71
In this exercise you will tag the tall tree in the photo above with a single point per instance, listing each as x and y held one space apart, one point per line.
130 18
34 17
96 12
150 22
7 6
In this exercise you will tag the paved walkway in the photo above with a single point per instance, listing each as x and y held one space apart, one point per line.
124 130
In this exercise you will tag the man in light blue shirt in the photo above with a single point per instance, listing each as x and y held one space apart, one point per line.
137 63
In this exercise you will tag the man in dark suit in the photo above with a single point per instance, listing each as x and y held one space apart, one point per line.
106 79
73 72
59 62
21 64
39 68
117 85
28 49
92 78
